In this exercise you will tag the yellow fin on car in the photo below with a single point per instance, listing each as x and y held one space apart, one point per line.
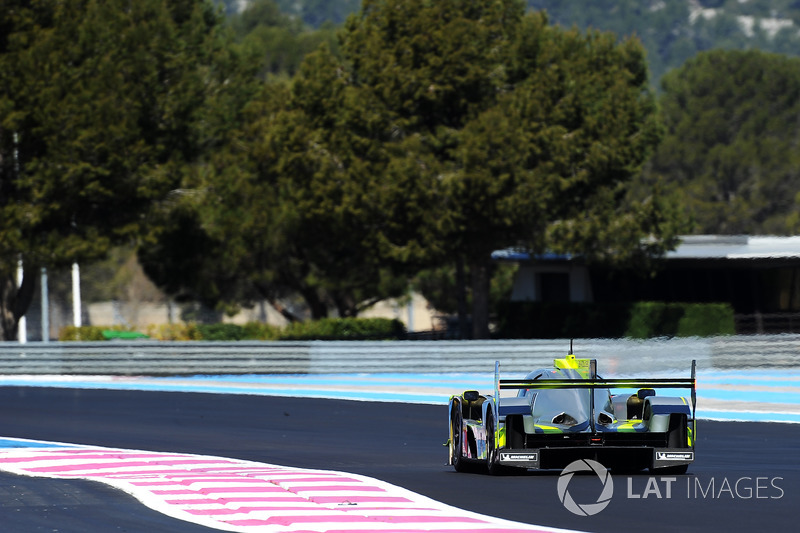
571 362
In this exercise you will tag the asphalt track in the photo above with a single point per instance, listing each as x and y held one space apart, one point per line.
746 477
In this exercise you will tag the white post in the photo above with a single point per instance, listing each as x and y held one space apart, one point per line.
410 327
45 308
76 295
22 325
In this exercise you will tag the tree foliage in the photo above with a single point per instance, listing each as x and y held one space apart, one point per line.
731 142
671 32
318 12
515 132
287 204
275 39
437 133
448 130
101 105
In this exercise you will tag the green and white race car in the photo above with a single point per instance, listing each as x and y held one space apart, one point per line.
565 413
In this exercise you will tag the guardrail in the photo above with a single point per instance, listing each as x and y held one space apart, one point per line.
325 357
153 358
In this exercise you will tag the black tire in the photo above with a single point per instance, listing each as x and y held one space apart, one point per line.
492 463
456 425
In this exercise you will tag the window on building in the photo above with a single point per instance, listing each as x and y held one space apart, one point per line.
554 286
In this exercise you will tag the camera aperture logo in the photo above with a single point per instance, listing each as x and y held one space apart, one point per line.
585 509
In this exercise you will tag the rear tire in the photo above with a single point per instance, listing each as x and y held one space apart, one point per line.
457 429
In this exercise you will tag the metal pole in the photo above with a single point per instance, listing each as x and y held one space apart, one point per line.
411 314
22 325
45 308
76 295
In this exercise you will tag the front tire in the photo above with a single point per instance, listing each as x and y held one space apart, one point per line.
492 462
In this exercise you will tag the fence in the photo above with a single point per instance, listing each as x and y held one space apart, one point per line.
761 323
322 357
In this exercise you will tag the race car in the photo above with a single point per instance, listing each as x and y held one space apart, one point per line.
567 412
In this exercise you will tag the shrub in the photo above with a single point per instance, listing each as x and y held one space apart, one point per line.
657 319
641 320
215 332
221 332
83 333
706 319
174 332
261 332
325 329
654 319
345 329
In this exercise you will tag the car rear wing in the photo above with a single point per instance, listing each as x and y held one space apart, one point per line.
671 383
594 382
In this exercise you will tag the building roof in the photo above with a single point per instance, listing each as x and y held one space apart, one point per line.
696 247
736 247
520 254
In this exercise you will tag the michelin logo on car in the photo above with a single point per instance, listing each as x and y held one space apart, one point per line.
675 456
532 457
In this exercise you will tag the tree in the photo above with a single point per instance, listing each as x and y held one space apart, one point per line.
101 105
730 146
283 208
510 132
317 12
294 211
674 32
276 40
450 129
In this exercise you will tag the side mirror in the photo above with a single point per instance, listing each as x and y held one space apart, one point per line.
644 393
471 395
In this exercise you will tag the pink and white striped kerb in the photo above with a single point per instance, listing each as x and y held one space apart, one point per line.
234 495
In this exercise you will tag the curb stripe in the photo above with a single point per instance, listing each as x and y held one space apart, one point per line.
245 496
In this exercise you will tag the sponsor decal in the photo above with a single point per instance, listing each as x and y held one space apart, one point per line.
674 456
531 457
